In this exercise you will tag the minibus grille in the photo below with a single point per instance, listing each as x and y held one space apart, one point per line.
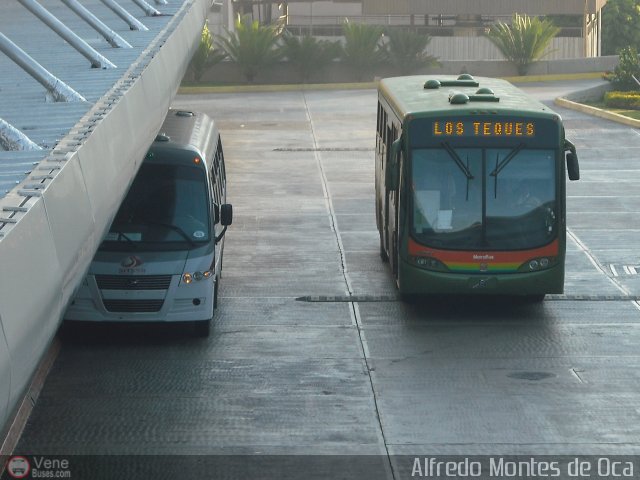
133 282
133 305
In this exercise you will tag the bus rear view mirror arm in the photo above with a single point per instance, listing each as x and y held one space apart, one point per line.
573 167
392 172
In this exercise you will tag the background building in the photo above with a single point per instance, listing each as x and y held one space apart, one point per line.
457 27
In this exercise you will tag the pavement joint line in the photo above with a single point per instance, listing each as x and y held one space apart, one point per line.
354 310
325 149
594 261
552 297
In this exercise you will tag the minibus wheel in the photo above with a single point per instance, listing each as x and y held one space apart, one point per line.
202 328
215 293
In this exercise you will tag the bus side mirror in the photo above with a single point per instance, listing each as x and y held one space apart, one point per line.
573 168
392 172
226 214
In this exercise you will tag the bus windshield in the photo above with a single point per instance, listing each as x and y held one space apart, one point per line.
166 208
483 198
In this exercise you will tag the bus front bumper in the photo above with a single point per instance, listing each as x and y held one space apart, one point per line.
418 281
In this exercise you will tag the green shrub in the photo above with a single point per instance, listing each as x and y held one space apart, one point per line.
252 46
630 100
205 57
405 50
628 67
524 41
362 51
307 54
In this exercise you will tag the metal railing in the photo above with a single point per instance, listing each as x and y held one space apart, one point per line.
433 25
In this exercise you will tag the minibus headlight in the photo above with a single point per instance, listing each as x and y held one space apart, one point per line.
196 276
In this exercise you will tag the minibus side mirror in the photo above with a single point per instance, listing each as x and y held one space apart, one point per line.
226 217
226 214
392 172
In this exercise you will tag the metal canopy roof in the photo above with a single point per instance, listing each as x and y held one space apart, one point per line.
23 101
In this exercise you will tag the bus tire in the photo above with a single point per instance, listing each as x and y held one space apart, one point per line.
383 254
396 255
202 328
535 298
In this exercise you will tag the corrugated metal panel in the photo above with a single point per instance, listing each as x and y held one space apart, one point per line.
481 48
23 101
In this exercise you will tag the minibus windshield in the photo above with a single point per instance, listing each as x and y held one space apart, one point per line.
167 205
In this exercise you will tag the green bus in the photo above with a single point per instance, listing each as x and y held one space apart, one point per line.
470 187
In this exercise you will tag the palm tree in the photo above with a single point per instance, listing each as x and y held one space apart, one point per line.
308 54
406 51
205 57
524 41
362 50
252 46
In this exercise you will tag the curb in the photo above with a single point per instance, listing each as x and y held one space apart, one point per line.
597 112
294 87
197 90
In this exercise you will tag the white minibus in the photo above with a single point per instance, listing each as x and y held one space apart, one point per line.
161 260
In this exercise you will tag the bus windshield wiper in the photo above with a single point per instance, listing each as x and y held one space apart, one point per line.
463 168
175 228
505 161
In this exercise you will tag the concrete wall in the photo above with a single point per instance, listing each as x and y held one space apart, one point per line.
228 73
481 48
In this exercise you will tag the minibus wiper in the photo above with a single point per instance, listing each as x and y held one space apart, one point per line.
175 228
122 235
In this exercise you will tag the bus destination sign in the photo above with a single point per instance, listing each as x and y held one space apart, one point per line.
478 128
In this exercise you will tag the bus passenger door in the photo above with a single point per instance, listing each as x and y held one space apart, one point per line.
392 195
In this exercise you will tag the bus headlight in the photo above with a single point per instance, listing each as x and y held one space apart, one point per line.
537 264
188 278
429 263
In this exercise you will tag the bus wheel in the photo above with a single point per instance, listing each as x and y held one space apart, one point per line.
383 253
535 298
202 328
396 256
